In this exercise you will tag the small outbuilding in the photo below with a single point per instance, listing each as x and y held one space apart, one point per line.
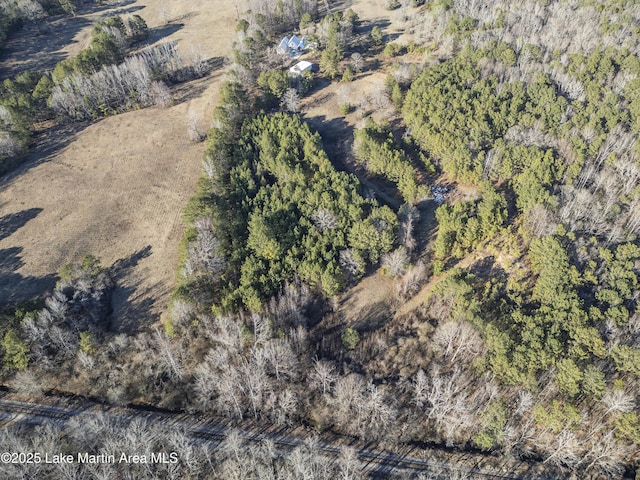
301 67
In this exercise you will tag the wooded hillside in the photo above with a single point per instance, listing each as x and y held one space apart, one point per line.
461 269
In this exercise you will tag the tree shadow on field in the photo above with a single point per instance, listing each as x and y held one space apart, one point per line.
335 133
338 5
365 28
373 317
159 33
486 268
183 91
132 304
122 266
361 40
127 10
47 143
37 49
12 222
100 6
10 260
426 228
319 83
15 288
89 7
184 16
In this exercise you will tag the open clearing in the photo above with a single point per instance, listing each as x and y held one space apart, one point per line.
115 188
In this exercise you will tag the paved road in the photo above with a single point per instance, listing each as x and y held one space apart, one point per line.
376 463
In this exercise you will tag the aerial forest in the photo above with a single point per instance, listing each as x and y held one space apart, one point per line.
496 201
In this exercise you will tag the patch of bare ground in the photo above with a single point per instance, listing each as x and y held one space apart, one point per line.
370 299
116 188
371 10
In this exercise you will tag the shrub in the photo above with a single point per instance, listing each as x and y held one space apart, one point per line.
350 338
391 4
305 20
394 49
345 108
16 352
347 76
376 35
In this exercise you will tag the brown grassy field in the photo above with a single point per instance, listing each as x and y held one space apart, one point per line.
115 188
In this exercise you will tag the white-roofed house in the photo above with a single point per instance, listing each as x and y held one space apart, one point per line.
294 43
283 48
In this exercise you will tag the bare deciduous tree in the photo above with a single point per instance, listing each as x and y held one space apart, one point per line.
396 262
349 464
159 94
27 382
345 94
323 375
204 254
408 215
453 339
86 361
350 262
287 308
168 355
279 358
197 61
291 100
357 62
618 401
420 388
286 407
181 312
9 146
410 283
324 219
563 449
194 132
606 455
210 168
540 221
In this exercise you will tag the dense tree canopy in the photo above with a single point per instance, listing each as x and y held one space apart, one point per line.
285 212
376 149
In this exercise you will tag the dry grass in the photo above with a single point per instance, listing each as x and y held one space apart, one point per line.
374 292
115 189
